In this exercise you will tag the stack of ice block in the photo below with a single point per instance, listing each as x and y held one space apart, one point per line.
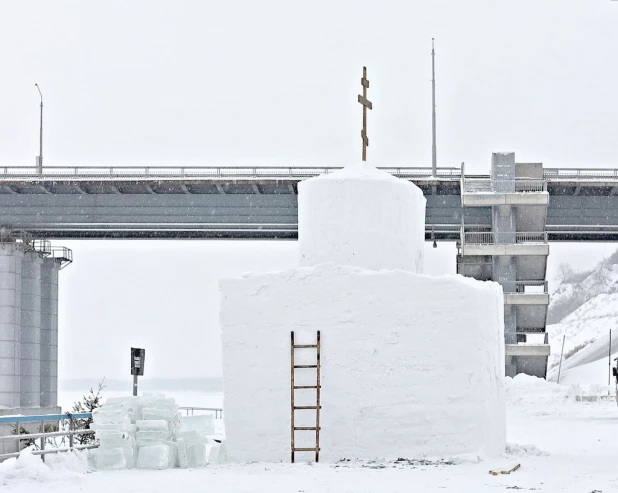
155 431
149 433
115 430
193 442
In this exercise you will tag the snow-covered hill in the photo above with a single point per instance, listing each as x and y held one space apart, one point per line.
580 288
583 310
585 325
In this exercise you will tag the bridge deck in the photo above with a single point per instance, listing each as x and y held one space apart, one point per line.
250 202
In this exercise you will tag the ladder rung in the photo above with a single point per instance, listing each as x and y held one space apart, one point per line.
306 428
305 346
306 450
305 366
307 407
306 386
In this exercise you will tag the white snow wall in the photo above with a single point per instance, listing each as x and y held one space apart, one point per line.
412 365
363 217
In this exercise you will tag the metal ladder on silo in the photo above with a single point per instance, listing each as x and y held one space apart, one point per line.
294 407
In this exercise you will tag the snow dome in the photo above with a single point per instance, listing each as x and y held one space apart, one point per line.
411 365
361 216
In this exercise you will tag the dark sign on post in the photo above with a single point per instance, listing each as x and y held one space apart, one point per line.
137 361
137 365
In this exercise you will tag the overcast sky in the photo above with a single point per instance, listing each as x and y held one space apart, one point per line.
275 82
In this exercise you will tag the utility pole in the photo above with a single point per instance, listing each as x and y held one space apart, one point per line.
366 104
434 157
561 353
609 376
39 160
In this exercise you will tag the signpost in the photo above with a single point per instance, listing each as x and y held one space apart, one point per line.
137 365
366 104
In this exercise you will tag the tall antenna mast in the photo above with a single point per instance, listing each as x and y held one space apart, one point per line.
39 159
434 157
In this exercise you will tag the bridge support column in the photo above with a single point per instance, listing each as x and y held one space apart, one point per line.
504 226
517 253
49 332
10 316
505 273
30 368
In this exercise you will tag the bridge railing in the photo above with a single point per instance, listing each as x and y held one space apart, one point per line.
490 238
66 429
580 174
487 185
211 172
274 172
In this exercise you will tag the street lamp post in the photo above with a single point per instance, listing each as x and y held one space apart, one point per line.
434 156
39 160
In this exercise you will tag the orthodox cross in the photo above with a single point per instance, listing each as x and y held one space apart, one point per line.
366 104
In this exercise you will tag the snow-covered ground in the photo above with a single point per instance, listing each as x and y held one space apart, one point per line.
561 444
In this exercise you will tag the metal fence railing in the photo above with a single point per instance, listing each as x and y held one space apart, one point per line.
487 185
44 248
192 172
66 428
580 174
526 287
490 238
62 254
282 172
527 338
190 411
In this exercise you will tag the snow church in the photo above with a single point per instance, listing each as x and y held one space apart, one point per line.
356 354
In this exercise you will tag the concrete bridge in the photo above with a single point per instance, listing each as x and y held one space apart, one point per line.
260 203
502 223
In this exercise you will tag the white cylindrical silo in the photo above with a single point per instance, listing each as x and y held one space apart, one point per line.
10 314
49 332
30 367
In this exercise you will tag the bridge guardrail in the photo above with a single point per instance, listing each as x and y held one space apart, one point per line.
274 172
191 172
490 238
580 173
487 185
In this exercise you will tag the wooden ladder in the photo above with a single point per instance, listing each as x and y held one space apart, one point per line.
294 387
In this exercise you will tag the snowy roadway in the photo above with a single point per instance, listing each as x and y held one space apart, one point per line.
581 440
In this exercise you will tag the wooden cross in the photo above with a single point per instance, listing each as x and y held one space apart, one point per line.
366 104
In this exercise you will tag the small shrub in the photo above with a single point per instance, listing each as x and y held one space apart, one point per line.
93 400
